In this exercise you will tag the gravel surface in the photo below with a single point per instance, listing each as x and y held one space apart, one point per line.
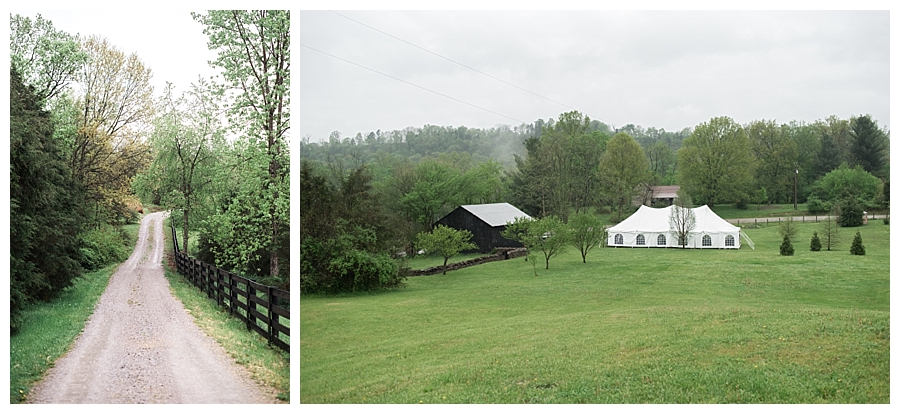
141 345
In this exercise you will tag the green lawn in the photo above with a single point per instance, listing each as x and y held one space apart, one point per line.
630 326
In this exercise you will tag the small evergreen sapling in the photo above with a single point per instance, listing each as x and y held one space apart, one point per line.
857 247
815 244
787 249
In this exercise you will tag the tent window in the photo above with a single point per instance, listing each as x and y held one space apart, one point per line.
640 240
619 239
707 241
661 240
729 240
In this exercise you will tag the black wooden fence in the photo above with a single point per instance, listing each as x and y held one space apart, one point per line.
260 307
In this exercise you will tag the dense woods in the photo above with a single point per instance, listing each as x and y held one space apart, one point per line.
572 166
92 143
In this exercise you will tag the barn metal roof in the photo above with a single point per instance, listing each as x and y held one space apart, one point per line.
496 214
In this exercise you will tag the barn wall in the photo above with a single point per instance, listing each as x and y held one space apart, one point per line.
487 238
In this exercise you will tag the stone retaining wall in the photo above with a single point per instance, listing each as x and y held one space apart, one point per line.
502 254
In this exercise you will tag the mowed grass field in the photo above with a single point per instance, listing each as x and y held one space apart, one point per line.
630 326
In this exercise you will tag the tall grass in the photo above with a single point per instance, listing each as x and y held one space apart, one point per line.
630 326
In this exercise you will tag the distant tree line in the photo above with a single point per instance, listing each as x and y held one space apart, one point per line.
572 165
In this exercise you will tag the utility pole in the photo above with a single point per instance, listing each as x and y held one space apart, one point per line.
796 172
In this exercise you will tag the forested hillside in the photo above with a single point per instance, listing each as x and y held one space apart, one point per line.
409 179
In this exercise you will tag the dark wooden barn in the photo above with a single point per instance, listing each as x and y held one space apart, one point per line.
485 221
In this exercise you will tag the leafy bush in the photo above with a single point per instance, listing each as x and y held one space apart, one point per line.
357 270
102 246
815 244
741 204
857 247
850 214
887 221
816 205
787 249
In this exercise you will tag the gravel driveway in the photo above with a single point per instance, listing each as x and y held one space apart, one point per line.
141 346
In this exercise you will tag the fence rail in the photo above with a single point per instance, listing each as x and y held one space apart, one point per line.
260 307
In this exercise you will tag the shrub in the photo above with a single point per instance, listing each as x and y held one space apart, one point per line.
815 244
816 205
787 249
887 221
857 247
740 204
102 246
850 214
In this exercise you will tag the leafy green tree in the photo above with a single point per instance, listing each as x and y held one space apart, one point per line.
662 161
44 225
622 168
715 162
787 249
869 145
853 184
254 55
586 232
776 156
547 234
558 175
186 139
445 242
857 247
47 58
815 244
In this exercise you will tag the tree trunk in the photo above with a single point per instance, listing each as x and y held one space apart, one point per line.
184 232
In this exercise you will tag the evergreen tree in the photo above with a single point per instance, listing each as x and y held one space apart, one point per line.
868 145
787 249
43 232
815 244
857 247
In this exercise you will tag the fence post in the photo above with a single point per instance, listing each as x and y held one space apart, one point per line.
271 313
250 293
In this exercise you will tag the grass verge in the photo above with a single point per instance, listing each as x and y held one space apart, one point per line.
267 365
632 325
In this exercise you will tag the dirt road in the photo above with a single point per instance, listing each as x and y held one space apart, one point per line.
141 346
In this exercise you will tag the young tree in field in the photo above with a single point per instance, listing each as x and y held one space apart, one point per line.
829 229
445 242
682 220
857 247
254 54
715 163
815 244
520 230
586 232
47 58
787 249
788 228
622 167
186 139
549 235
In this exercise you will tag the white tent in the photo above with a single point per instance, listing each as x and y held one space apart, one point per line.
651 227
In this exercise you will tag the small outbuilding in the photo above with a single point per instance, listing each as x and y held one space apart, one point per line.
485 221
652 227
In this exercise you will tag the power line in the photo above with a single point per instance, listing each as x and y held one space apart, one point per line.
410 83
451 60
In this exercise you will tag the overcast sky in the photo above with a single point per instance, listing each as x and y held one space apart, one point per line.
663 69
